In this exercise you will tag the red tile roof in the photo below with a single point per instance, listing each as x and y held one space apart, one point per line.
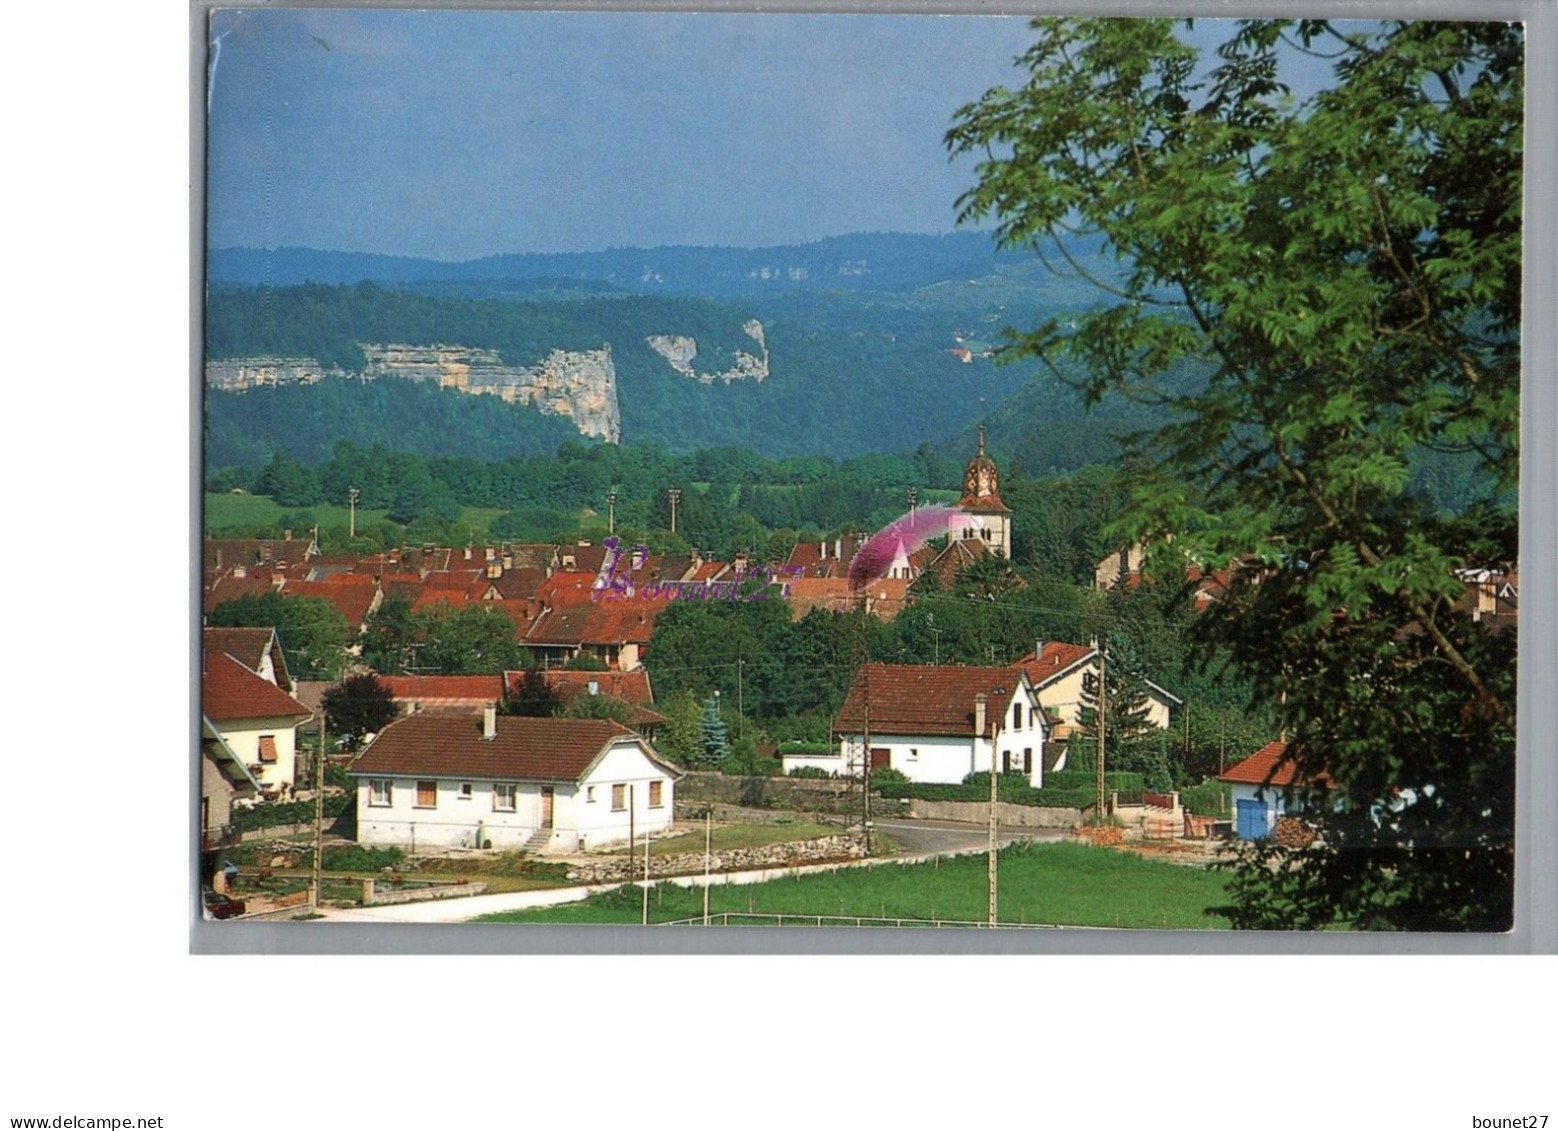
229 692
885 597
523 749
353 601
631 687
230 588
1056 660
475 689
246 645
925 699
1270 765
519 583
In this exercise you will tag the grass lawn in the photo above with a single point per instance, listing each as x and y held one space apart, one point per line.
735 836
1069 884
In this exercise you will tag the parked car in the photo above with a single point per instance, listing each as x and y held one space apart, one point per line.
220 906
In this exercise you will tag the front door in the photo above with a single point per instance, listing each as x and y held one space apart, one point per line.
546 806
1251 823
881 757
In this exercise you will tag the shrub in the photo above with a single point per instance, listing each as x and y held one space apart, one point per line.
809 772
272 815
1209 799
889 777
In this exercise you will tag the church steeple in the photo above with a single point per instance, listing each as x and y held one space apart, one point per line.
988 520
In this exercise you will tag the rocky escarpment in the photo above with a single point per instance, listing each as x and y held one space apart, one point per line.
681 351
239 373
581 384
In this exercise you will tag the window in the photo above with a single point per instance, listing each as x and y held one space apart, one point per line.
1027 760
427 795
914 753
465 791
589 795
503 797
655 799
1006 761
619 798
381 792
1017 717
267 748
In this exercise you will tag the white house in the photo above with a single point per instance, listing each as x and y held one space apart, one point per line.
256 719
937 724
1265 786
543 784
1057 669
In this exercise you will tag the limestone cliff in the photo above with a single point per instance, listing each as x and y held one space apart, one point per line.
581 384
681 351
239 373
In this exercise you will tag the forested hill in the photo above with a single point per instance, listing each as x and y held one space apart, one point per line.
876 262
874 376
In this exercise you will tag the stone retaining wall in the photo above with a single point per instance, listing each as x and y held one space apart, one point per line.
615 869
375 896
805 795
1023 816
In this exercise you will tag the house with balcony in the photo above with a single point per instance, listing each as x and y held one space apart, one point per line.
223 779
257 720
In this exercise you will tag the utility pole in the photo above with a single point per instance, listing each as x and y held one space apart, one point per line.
319 811
1187 732
1103 694
708 858
994 823
646 877
352 495
611 512
914 498
676 496
740 663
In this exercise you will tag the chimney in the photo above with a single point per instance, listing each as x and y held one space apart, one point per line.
822 551
638 558
508 561
467 553
489 723
838 547
287 536
979 715
1038 648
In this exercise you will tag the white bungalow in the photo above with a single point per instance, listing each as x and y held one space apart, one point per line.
542 784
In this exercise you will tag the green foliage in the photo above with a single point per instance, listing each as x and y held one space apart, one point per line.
533 696
358 705
809 772
312 631
270 815
1349 265
442 640
887 777
585 662
713 743
1209 799
600 707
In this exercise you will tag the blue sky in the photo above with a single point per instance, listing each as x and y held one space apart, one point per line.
458 134
461 134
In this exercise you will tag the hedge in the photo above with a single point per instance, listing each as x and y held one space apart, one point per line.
270 816
1121 781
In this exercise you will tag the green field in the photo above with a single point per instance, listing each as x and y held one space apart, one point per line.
1066 884
263 515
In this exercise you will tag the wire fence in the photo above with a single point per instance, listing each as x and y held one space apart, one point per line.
792 919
